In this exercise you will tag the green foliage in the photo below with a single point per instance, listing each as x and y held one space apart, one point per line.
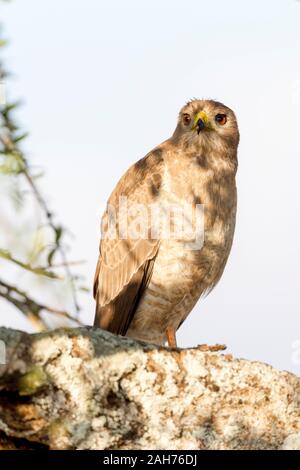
58 234
12 163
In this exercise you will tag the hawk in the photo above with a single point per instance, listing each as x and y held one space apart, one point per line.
147 283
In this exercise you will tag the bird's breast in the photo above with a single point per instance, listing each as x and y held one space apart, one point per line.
205 196
183 269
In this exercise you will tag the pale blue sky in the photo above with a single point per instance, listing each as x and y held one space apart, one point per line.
103 83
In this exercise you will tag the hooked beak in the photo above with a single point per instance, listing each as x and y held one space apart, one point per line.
200 125
201 122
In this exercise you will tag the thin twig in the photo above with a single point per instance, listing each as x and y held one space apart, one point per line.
9 145
39 270
70 263
29 307
10 138
60 249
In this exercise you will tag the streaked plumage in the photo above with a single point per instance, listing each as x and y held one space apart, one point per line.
145 288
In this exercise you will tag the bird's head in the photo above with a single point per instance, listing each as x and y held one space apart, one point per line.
207 123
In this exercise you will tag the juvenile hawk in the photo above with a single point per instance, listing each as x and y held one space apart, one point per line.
146 285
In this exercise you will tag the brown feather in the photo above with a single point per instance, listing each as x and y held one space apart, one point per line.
125 265
116 316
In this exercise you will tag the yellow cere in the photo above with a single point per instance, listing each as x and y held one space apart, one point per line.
202 115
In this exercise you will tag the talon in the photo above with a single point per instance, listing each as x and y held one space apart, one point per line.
213 348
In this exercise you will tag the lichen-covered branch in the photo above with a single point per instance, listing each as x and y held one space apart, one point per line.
87 389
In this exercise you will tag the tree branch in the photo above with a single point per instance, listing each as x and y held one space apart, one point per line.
88 389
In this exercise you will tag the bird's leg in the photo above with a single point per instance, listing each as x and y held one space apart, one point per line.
171 337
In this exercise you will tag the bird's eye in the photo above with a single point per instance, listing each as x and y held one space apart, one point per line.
221 119
186 119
